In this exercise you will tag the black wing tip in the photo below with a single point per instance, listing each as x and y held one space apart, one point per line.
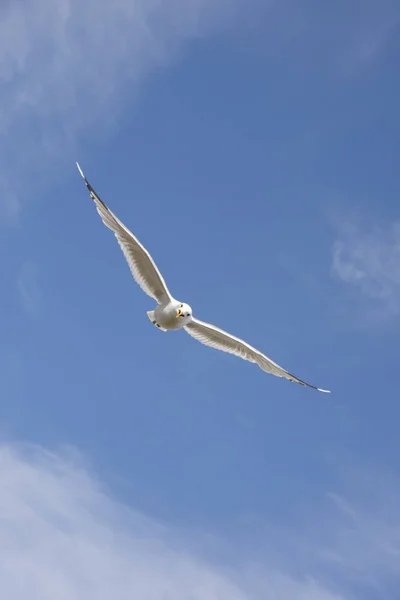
93 194
84 177
305 384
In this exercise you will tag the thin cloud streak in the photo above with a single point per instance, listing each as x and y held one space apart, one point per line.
28 288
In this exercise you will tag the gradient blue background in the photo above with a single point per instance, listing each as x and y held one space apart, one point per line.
233 167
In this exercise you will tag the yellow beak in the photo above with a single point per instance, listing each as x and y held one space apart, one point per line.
179 313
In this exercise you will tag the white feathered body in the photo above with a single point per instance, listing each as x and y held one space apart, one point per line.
165 315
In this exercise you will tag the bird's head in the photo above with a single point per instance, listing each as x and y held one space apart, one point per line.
184 312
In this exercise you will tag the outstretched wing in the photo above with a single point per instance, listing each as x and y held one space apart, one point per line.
142 266
221 340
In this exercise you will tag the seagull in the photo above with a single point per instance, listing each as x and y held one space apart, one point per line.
171 314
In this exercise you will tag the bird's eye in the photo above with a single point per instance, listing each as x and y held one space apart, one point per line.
188 315
181 305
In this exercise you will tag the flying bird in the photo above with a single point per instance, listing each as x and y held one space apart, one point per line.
170 313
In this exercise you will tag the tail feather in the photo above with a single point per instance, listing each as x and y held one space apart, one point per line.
152 316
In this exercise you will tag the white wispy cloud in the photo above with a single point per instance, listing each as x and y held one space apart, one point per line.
369 261
65 56
67 66
62 536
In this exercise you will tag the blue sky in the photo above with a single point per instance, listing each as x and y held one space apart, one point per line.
251 147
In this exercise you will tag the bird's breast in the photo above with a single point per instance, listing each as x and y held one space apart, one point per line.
166 316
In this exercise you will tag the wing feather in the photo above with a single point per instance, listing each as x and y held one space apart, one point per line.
221 340
141 264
